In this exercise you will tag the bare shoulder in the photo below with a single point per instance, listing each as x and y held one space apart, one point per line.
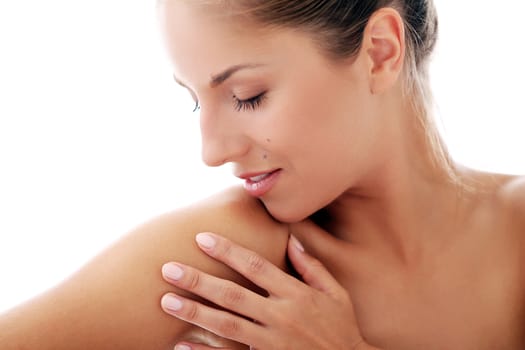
512 193
114 300
500 199
171 237
231 213
504 193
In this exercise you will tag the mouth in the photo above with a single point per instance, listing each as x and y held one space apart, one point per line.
257 184
257 176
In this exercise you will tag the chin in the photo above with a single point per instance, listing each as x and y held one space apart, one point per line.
287 215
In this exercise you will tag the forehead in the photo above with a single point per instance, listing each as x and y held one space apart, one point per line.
205 35
203 40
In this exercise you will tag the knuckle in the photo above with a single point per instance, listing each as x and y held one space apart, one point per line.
290 320
194 281
308 274
192 312
312 269
307 294
280 317
224 250
256 263
307 297
228 328
316 264
232 295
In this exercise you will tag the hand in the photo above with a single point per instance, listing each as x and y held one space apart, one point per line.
316 315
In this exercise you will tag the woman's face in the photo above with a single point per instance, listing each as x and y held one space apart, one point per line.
271 103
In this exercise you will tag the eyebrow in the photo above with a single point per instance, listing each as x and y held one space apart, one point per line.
218 79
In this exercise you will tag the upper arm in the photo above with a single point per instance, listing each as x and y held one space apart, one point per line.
114 301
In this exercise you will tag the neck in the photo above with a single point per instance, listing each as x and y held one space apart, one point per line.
404 204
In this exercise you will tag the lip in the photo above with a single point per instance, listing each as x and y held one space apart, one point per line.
261 186
246 176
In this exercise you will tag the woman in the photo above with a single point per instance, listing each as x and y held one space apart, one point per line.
322 106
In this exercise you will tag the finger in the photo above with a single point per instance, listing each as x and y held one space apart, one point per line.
323 245
248 263
316 239
312 271
222 292
221 323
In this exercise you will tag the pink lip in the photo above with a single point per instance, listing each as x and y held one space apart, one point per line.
263 186
246 176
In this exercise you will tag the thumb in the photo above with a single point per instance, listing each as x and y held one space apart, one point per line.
319 242
313 272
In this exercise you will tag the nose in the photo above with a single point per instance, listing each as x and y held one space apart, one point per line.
222 140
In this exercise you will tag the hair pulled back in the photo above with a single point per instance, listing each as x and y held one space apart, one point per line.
339 24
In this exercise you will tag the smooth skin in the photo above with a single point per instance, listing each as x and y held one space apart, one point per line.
113 302
277 320
425 266
426 263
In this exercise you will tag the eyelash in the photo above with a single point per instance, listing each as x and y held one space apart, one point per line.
251 103
197 107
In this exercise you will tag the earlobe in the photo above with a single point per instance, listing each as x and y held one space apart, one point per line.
384 41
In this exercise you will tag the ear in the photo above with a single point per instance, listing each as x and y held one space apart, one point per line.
384 45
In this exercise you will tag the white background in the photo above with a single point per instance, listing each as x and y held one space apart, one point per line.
96 138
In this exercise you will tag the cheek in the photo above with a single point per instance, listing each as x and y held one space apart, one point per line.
306 121
294 116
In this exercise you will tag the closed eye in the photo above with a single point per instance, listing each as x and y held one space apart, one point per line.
249 104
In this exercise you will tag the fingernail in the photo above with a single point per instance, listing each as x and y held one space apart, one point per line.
182 347
172 271
171 303
205 240
297 244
